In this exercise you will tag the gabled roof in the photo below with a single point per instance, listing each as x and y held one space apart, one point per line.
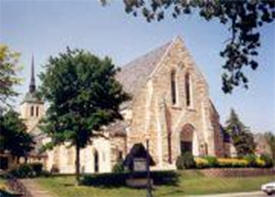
135 74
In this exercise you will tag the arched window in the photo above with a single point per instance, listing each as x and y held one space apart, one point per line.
96 161
37 111
32 111
188 89
173 87
120 155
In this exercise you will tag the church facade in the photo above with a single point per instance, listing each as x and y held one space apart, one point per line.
170 107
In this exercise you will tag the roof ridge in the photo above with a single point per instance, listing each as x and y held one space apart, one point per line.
146 54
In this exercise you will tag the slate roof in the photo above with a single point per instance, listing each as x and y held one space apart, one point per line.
32 97
135 74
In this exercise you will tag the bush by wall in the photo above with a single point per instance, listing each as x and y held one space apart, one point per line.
185 161
118 167
212 161
201 163
232 163
23 171
119 179
268 160
29 170
249 161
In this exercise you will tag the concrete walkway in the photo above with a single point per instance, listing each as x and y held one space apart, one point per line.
35 189
242 194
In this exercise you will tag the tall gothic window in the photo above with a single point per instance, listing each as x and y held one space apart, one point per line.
188 89
37 111
173 87
32 111
96 161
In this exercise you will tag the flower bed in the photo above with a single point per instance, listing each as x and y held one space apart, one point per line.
246 162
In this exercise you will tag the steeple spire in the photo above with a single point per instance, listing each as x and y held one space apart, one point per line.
32 82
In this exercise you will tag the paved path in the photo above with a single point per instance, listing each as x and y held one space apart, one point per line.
243 194
35 189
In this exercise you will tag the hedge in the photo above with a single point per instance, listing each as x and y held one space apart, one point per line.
29 170
119 179
263 161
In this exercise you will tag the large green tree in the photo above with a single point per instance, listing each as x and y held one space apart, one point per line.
83 96
242 18
243 139
8 78
270 137
13 135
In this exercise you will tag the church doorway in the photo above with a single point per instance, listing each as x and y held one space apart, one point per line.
186 139
96 162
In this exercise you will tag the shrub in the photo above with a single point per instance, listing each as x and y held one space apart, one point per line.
29 170
212 161
106 179
232 163
201 163
118 167
119 179
251 159
185 161
268 160
37 168
260 163
23 171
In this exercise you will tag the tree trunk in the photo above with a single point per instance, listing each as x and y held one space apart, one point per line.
77 164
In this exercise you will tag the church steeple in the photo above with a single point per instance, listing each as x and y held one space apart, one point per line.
32 82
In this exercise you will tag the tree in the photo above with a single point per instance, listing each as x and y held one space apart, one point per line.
83 96
243 18
8 79
270 137
243 139
13 136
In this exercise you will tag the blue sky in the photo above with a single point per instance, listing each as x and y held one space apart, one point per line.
46 27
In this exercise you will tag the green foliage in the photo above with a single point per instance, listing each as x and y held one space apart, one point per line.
8 79
251 159
14 137
268 160
119 179
243 139
23 171
270 137
83 96
37 168
29 171
243 20
212 161
118 167
185 161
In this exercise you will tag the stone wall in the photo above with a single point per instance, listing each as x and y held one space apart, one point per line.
155 115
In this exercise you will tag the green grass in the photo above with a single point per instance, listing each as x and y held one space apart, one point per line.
191 182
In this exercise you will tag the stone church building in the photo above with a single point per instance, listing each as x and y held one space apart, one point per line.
170 106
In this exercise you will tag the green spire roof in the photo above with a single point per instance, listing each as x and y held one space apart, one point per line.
32 96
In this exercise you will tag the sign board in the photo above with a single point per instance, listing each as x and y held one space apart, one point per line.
139 164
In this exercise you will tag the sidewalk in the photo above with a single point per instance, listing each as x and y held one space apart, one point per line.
35 189
242 194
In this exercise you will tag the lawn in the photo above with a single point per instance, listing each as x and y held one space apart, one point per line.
190 182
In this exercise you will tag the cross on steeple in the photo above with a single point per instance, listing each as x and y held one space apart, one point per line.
32 82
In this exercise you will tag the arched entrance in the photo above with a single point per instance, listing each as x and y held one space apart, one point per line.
96 161
186 139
